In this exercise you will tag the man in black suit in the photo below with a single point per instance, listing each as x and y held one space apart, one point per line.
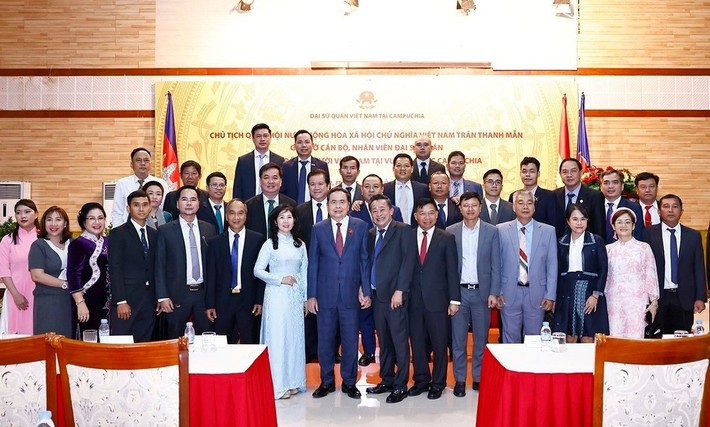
180 252
246 173
349 171
371 185
213 210
261 205
545 205
679 262
233 295
494 209
296 170
190 174
392 249
132 254
647 188
425 166
435 294
448 212
574 191
404 192
612 185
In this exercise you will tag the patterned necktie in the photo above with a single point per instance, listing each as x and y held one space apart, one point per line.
442 214
319 213
218 217
140 183
144 242
423 176
302 182
403 203
339 240
456 189
647 217
494 214
523 270
194 255
422 248
378 248
674 257
609 230
350 192
235 261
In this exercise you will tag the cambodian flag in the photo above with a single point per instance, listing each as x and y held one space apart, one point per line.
171 174
582 142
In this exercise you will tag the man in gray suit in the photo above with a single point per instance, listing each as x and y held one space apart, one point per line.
528 251
495 210
479 267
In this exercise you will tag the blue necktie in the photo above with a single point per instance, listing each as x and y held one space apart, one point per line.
378 248
609 229
570 196
674 257
319 213
442 215
302 182
218 216
235 261
423 176
144 242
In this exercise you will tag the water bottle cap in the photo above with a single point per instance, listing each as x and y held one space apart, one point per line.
43 415
545 323
188 324
104 320
699 321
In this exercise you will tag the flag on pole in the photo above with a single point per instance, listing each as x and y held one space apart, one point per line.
563 145
582 142
171 174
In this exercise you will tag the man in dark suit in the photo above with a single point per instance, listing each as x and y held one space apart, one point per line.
425 166
190 174
574 191
337 289
233 295
404 191
392 249
647 188
349 171
213 210
261 205
545 205
448 212
132 249
371 185
679 262
612 184
296 170
180 252
456 165
478 250
246 173
433 296
494 209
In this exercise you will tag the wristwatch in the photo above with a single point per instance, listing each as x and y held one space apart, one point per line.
64 285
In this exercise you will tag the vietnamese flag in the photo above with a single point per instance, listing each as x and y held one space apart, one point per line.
171 174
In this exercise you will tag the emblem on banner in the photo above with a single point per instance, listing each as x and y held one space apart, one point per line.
367 100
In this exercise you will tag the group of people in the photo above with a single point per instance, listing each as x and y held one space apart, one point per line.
309 270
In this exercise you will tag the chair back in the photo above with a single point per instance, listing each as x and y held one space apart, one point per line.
651 382
124 384
28 380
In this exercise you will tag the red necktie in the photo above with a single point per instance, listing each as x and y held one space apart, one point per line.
422 249
647 217
339 240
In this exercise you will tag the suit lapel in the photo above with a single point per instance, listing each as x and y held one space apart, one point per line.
329 233
435 240
536 240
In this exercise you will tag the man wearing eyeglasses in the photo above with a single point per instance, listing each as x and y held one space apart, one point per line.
495 210
213 210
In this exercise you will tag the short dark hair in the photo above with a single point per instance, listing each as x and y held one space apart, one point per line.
670 196
66 233
316 172
423 202
643 176
191 163
492 171
270 165
375 176
437 173
403 156
527 160
216 175
302 131
138 150
454 154
377 197
84 212
468 195
612 172
576 207
135 195
349 159
339 189
569 159
185 188
28 204
149 184
259 126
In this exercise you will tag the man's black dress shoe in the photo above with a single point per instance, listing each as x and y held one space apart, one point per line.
352 391
434 393
366 359
379 389
396 396
476 385
460 389
323 390
417 389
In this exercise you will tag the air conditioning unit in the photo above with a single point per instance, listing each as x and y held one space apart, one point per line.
108 192
10 193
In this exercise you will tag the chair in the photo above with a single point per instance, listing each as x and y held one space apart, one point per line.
28 380
651 382
127 384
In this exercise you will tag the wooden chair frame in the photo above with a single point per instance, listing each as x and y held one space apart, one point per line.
34 349
648 352
123 357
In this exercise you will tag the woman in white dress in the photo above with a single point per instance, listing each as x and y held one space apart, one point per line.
284 301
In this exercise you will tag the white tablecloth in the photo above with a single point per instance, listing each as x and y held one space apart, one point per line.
579 358
232 359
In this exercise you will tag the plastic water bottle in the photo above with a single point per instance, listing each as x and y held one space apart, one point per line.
545 336
103 329
699 329
190 335
45 419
